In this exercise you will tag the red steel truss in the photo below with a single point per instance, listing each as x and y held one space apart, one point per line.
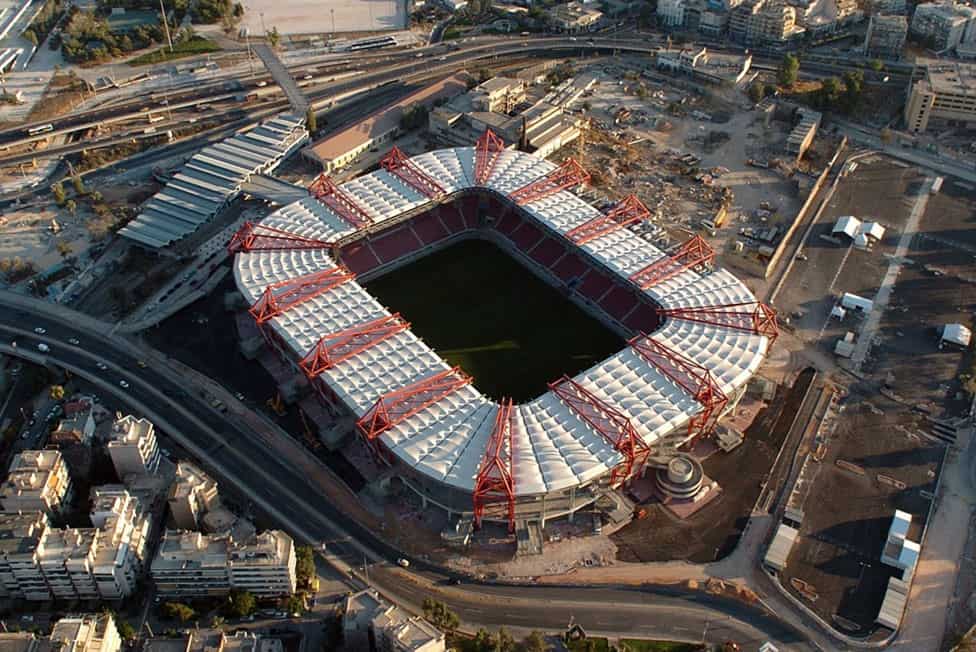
614 426
627 211
487 149
401 404
692 253
690 376
496 476
341 202
567 175
336 347
397 163
284 295
258 237
750 316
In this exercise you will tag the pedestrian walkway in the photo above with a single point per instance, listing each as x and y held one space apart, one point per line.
282 77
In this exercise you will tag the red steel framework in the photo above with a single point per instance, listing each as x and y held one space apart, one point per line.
750 316
284 295
401 404
334 348
496 476
567 175
398 164
258 237
341 202
628 210
614 426
690 376
487 149
692 253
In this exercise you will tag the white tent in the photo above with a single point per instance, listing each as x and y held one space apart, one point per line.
854 301
873 230
956 334
848 225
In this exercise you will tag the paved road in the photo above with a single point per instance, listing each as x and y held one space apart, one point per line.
240 456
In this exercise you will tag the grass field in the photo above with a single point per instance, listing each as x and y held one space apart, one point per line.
194 46
481 310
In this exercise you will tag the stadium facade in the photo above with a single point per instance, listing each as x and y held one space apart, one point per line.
695 334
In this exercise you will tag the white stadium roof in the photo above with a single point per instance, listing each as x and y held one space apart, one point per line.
554 449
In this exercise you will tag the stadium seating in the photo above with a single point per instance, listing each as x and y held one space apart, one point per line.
594 285
429 228
618 302
643 318
359 258
400 242
547 252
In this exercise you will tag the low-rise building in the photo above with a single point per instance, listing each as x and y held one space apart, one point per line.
699 63
573 17
803 132
764 22
86 633
77 426
37 481
886 36
379 129
944 96
193 494
368 617
498 94
214 640
191 564
132 446
944 24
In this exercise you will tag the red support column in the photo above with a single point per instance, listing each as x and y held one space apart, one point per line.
487 149
401 404
341 202
628 210
496 476
695 379
337 347
567 175
257 237
752 316
398 164
691 254
606 420
287 294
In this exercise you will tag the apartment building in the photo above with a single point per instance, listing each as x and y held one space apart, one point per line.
86 633
77 426
573 17
371 623
36 481
193 494
214 640
886 36
38 562
671 13
132 446
945 24
890 7
764 21
498 94
944 96
190 564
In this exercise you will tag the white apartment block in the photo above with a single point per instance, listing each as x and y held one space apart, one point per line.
86 633
36 481
38 562
132 446
190 564
945 96
671 13
368 616
193 494
947 24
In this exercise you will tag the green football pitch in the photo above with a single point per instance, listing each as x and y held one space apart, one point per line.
484 312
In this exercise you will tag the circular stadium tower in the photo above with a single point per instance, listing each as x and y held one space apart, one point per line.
695 334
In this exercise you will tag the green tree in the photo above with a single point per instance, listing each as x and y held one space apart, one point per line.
304 566
79 184
877 65
64 248
217 622
789 68
535 642
274 37
178 611
295 604
311 121
757 91
71 206
58 191
31 36
484 641
853 84
438 614
126 631
95 196
505 641
241 603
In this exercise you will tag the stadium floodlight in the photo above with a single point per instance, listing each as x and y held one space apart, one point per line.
336 347
282 296
342 203
567 175
258 237
496 475
691 254
398 164
487 150
628 210
750 316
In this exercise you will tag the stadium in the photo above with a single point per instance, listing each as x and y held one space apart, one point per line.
694 335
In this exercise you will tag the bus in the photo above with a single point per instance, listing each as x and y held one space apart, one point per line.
43 129
153 119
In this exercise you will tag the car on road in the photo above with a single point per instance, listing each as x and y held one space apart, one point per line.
405 563
101 365
142 364
123 384
74 341
43 348
40 331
